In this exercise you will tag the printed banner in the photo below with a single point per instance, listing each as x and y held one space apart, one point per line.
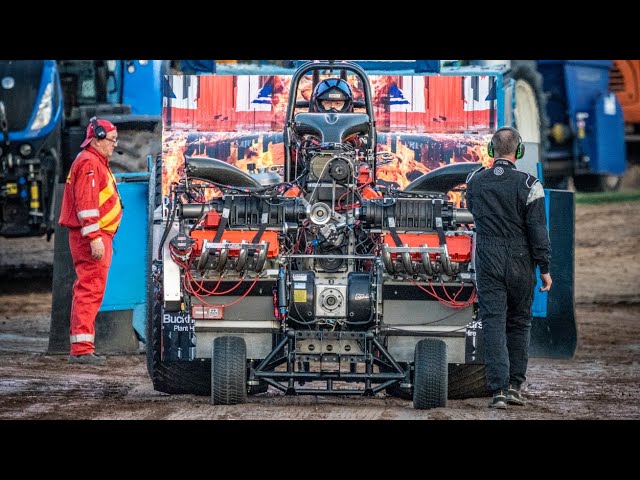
423 122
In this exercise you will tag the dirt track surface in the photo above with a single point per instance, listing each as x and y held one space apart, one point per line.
602 380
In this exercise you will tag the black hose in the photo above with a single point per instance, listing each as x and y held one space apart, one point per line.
165 234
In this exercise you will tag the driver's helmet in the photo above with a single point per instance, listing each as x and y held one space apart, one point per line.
332 95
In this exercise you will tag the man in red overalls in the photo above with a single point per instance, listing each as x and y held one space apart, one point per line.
92 210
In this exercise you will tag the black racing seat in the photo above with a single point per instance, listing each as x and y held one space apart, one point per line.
331 127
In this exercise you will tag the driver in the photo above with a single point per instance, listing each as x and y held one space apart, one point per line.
332 95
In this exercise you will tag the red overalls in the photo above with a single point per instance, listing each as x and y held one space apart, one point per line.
90 208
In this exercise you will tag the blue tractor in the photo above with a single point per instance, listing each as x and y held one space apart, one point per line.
586 138
569 110
45 106
31 122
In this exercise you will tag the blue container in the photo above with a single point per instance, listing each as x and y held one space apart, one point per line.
127 282
579 96
586 80
581 82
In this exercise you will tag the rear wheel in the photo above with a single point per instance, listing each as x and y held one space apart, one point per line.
467 381
530 105
530 113
228 371
430 374
174 377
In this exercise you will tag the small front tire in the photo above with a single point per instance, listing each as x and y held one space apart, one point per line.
430 380
228 371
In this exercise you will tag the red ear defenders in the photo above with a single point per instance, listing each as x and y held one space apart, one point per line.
98 130
519 148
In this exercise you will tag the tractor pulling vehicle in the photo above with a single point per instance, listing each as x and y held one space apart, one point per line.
313 275
31 119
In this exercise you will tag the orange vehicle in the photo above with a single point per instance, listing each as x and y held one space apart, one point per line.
624 80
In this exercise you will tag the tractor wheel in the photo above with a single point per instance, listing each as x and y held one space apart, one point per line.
530 112
467 381
175 377
228 371
169 377
430 375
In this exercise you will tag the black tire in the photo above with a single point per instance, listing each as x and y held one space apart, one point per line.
153 330
467 381
524 72
64 275
168 377
71 137
175 377
527 72
156 175
228 371
51 166
430 376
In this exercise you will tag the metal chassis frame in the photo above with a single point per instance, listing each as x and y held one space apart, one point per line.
374 354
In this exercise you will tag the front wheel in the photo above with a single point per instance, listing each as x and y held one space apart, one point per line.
228 371
467 381
174 377
430 380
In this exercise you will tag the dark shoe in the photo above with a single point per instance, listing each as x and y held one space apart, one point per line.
514 397
499 400
87 359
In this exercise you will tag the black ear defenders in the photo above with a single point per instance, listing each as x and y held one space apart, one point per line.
98 130
519 148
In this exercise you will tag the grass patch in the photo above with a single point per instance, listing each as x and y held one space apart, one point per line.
608 197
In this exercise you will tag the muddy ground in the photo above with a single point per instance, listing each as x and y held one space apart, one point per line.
601 382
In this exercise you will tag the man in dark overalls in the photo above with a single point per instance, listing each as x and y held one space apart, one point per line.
508 210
